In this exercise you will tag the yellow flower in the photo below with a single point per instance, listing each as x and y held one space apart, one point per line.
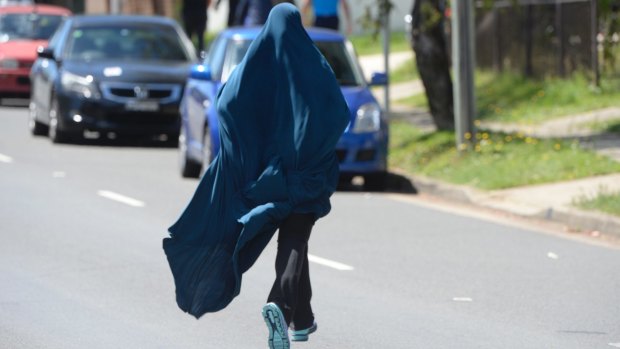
557 146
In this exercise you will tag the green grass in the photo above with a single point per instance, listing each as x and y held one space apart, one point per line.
606 126
406 72
606 202
509 97
366 44
496 161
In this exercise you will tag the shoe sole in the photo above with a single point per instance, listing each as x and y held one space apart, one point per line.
278 335
303 337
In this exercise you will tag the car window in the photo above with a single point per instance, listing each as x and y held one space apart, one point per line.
28 26
126 43
235 51
215 56
342 62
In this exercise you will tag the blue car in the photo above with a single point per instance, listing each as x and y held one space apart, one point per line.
362 149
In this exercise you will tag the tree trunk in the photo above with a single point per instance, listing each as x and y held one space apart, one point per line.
428 41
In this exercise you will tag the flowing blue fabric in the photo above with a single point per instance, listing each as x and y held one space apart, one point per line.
281 114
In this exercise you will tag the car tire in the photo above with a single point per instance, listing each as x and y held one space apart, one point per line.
189 168
375 181
55 133
37 128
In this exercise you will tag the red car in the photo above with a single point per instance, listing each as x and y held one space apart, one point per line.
23 28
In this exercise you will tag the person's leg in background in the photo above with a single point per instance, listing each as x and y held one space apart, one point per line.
329 22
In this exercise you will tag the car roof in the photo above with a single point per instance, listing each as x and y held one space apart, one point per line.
250 33
118 20
42 9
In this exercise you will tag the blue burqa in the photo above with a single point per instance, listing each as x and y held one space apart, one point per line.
281 114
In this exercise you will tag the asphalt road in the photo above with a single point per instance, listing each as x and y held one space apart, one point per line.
81 265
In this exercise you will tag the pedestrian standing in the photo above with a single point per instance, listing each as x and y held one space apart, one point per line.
281 113
253 12
194 13
232 10
325 13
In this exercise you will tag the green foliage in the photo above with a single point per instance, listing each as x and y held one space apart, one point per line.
510 97
604 201
373 17
367 44
496 161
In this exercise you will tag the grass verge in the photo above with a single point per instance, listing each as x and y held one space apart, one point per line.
496 161
510 97
405 72
605 202
366 44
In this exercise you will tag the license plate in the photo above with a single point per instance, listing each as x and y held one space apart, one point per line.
142 106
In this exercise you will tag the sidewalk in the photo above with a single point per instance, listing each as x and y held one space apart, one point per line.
552 202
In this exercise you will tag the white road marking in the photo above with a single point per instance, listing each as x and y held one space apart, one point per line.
328 263
552 255
120 198
59 174
617 345
6 159
462 299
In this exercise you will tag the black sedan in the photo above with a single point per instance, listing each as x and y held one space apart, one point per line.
109 76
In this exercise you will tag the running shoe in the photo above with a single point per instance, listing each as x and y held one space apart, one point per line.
278 330
302 335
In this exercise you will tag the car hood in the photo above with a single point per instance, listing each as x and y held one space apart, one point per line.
23 50
144 72
356 97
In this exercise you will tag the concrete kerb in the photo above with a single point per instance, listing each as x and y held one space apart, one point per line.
574 219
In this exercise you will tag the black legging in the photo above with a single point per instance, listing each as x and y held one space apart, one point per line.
291 290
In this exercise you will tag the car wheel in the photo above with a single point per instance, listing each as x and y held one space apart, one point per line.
207 150
36 128
375 181
56 134
189 168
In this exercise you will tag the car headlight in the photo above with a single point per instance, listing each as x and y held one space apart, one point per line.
368 118
82 85
9 63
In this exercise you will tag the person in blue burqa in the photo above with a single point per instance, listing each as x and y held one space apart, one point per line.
281 114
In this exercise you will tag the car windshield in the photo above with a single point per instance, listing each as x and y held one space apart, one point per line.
28 26
340 59
150 43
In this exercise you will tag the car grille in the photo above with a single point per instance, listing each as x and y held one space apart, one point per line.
123 92
23 80
365 155
25 64
361 155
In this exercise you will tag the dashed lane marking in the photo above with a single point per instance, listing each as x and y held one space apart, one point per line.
120 198
328 263
6 159
462 299
552 255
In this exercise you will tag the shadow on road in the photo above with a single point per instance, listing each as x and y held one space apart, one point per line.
395 183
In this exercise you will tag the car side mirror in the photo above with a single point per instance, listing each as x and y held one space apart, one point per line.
45 52
201 72
378 79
